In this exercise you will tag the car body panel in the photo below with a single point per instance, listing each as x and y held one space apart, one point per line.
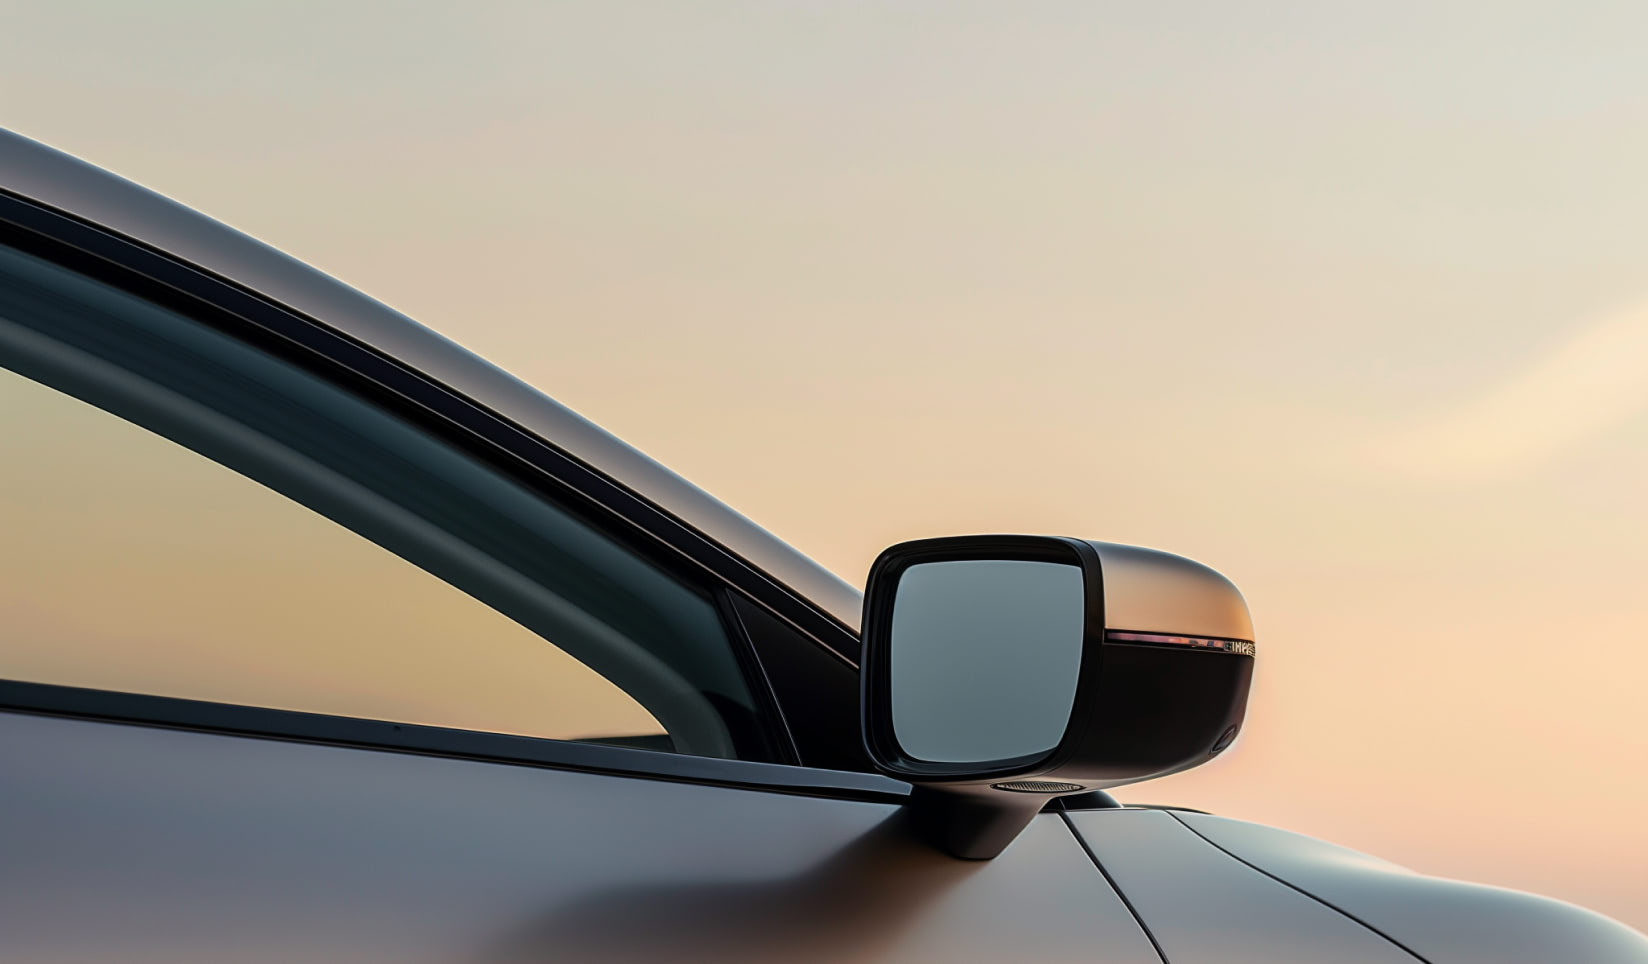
138 844
1203 907
1440 920
34 171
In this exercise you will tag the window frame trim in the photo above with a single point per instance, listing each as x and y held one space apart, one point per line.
292 726
367 372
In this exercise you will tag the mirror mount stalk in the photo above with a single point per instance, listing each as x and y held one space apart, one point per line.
972 823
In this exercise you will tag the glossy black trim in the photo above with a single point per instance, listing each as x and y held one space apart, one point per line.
309 342
292 726
780 741
817 690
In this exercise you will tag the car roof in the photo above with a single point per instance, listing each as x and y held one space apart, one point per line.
52 178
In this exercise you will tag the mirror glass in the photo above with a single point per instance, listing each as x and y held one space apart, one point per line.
983 658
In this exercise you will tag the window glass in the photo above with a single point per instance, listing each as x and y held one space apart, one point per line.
187 516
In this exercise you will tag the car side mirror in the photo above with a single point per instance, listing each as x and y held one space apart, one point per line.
1000 672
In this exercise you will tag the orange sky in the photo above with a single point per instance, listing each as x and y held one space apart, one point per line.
1346 301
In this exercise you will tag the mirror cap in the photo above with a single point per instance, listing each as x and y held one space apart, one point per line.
1166 665
1148 590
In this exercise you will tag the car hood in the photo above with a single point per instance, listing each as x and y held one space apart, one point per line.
1219 890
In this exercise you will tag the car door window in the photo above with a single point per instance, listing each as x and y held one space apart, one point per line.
186 515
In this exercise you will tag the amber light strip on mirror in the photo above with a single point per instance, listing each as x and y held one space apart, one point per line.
1240 647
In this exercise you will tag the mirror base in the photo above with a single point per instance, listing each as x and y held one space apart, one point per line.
974 822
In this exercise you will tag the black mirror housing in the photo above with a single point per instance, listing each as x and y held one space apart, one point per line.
1140 669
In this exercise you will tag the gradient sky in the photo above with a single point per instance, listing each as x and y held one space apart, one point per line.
1346 300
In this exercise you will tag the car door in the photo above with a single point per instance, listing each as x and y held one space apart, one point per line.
308 657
